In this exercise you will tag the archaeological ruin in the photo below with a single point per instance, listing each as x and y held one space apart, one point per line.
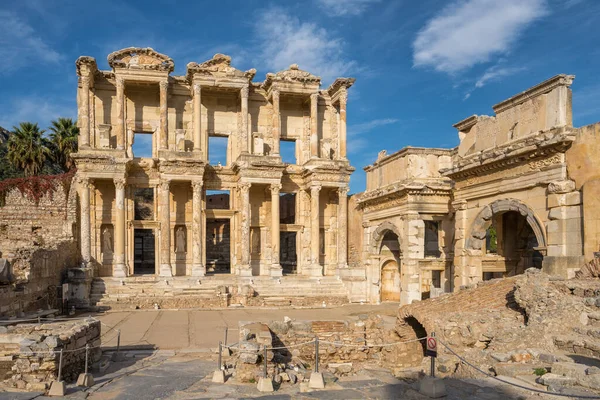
211 189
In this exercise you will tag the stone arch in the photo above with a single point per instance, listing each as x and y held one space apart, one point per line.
380 232
483 220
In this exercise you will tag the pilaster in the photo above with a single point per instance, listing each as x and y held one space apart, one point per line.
165 229
342 227
85 222
245 269
315 269
198 268
275 235
119 263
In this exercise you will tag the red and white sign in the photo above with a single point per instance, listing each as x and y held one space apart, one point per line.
431 347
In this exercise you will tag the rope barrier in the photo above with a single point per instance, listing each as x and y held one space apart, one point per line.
511 383
37 319
372 345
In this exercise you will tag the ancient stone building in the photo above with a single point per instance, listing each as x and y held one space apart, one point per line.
154 203
508 198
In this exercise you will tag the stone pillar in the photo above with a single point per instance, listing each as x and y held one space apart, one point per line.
343 227
164 130
460 273
198 118
119 264
245 269
275 237
198 268
120 128
314 117
315 269
84 113
414 250
85 222
244 136
343 101
276 123
165 229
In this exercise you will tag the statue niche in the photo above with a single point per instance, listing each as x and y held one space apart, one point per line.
180 239
106 231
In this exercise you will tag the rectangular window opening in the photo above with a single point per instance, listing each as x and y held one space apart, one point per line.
287 208
287 150
217 200
432 240
143 204
142 145
217 150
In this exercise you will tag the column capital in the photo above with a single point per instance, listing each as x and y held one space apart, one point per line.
275 95
120 183
164 184
314 97
196 88
275 188
244 186
245 91
85 80
84 181
120 81
343 97
197 184
343 191
163 84
315 189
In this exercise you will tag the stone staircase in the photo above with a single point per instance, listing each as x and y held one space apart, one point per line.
217 291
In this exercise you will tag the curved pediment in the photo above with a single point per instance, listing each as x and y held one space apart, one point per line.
140 58
219 66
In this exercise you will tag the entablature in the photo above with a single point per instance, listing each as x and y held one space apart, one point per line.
218 72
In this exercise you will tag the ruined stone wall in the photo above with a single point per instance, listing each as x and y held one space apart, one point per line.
355 233
30 352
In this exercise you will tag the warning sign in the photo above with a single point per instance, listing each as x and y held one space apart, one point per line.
431 347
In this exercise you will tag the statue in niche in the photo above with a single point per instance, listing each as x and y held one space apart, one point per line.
180 240
107 240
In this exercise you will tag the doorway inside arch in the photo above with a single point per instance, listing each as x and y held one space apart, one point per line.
390 268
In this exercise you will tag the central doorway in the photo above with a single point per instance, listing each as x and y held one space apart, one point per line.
144 254
390 281
287 253
218 245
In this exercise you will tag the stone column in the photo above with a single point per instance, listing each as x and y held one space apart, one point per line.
84 113
85 222
164 133
343 101
276 123
343 227
119 265
275 265
197 118
165 229
120 128
245 137
245 269
314 115
316 269
198 268
460 272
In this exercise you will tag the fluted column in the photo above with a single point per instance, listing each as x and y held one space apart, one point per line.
197 118
275 265
316 269
343 101
119 265
198 268
276 122
343 227
245 269
85 222
84 113
165 229
245 136
120 128
314 115
164 133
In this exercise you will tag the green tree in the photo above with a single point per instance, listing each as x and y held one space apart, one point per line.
63 142
27 149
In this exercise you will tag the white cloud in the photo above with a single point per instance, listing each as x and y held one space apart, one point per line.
356 143
285 40
20 44
337 8
35 109
470 32
496 73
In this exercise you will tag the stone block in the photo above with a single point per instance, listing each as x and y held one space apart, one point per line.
218 376
316 381
57 389
265 385
565 212
565 199
85 380
432 387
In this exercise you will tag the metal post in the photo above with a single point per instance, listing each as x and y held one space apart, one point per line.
60 364
432 367
220 355
87 347
39 320
265 357
317 354
226 329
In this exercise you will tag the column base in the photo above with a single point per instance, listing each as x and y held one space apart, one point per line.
276 270
314 270
245 270
119 270
198 270
165 270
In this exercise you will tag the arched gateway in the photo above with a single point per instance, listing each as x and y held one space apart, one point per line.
385 250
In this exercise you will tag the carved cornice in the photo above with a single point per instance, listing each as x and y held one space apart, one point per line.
384 158
140 58
86 62
340 84
218 66
400 189
466 123
292 74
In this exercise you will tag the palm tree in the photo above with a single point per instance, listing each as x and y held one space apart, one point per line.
63 142
26 148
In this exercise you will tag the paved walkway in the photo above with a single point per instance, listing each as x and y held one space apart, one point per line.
203 329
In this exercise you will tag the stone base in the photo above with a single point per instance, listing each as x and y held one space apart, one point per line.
120 271
165 270
85 380
198 270
432 387
316 381
563 266
245 270
265 385
276 271
218 376
57 389
314 270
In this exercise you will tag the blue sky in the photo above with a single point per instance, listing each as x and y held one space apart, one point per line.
420 65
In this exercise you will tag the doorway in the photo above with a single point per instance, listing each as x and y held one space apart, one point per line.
144 254
390 281
287 253
218 245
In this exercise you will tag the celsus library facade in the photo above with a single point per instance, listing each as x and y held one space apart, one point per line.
155 214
